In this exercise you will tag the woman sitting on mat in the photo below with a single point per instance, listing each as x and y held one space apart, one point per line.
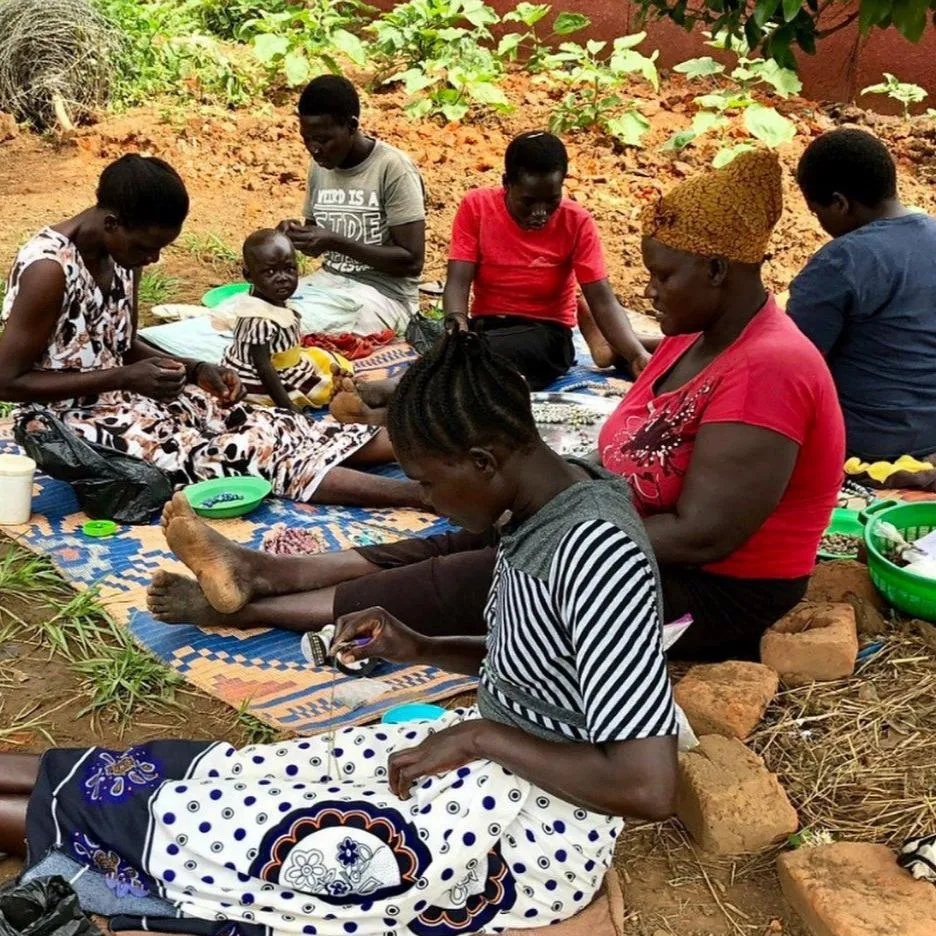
69 344
267 353
504 816
732 441
523 250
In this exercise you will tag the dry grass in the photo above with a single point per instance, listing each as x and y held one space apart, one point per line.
858 757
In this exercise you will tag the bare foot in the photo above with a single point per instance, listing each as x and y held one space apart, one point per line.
349 408
221 567
176 599
376 393
179 506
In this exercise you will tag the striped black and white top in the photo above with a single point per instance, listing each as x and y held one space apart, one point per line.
574 637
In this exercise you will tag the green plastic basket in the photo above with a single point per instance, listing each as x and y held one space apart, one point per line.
907 591
214 297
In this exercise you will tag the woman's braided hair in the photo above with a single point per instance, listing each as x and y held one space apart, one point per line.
459 396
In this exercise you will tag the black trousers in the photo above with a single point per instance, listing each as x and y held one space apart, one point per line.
439 586
541 351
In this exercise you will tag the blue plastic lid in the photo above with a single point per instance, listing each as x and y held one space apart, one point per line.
412 711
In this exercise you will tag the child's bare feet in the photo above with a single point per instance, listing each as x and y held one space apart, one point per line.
179 506
221 567
176 599
376 393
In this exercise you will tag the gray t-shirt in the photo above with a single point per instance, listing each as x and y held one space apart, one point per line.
362 204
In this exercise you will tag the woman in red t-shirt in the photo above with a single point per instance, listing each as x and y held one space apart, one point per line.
732 440
524 250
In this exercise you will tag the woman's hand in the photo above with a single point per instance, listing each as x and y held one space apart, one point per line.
311 240
220 382
441 752
375 633
160 378
639 360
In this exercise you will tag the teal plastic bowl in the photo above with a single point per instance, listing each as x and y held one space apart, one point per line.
214 297
412 711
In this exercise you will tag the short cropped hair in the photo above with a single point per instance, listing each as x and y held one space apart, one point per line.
331 96
851 162
143 191
535 153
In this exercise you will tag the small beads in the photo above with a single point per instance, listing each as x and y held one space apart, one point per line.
226 497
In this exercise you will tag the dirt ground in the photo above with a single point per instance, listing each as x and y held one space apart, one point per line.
247 170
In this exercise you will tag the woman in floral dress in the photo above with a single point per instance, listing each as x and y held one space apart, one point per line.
69 344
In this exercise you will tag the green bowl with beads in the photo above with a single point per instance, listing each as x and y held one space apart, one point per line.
249 491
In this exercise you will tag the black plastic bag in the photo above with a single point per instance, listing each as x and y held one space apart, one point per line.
43 907
110 485
423 333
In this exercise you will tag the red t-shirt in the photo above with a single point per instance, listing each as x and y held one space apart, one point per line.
526 273
772 377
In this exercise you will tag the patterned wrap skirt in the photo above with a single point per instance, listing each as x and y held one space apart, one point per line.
305 837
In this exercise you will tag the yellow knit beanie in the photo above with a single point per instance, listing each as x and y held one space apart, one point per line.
728 212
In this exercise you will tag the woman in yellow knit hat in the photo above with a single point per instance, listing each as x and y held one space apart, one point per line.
732 438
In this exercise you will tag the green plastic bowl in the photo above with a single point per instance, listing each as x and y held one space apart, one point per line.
909 592
214 297
252 491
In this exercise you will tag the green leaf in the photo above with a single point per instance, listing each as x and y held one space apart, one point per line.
679 141
718 102
486 92
528 13
419 109
791 9
704 121
268 47
765 10
873 12
910 18
784 81
729 153
699 67
296 68
568 23
350 45
507 47
629 42
629 128
452 33
768 126
454 113
416 80
593 46
479 14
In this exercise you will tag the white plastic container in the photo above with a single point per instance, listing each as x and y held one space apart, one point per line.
16 489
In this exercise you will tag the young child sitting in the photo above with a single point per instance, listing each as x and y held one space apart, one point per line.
267 352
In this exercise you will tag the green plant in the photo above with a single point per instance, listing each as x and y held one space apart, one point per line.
778 27
254 730
289 42
897 90
210 248
530 43
157 287
718 109
593 100
414 34
163 54
452 90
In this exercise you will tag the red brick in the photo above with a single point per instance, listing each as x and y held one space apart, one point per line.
814 642
728 800
726 698
856 889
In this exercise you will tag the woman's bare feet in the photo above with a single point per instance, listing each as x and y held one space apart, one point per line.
222 568
176 599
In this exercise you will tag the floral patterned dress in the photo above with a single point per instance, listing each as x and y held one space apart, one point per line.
191 438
